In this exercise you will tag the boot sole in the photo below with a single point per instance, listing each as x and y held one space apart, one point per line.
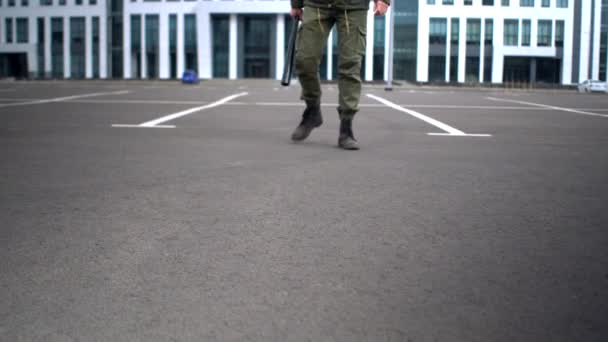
308 134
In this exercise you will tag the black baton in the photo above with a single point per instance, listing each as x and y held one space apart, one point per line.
291 54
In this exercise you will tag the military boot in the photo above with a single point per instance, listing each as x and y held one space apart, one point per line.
311 119
347 139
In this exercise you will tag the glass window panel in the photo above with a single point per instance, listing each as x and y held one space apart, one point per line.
190 42
525 32
57 47
22 30
559 33
221 48
544 32
511 32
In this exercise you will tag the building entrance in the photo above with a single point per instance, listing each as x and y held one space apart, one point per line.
13 65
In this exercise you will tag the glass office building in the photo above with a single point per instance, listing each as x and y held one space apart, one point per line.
435 41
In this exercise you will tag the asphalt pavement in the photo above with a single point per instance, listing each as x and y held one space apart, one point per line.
155 211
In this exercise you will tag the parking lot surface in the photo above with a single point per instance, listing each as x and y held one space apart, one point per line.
155 211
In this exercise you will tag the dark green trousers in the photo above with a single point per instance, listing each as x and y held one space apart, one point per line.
312 40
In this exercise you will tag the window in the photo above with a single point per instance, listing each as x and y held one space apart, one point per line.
559 33
448 2
40 46
57 47
504 2
173 45
473 31
489 33
544 32
46 2
454 35
92 2
77 47
152 46
562 3
221 39
430 2
78 2
9 30
22 30
136 46
62 2
468 2
511 32
455 31
11 3
25 3
95 47
190 42
438 31
546 3
526 3
488 2
525 32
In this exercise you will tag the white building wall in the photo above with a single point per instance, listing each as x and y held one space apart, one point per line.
498 13
597 27
163 10
34 11
585 39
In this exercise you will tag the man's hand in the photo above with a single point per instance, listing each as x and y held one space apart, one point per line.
380 7
296 13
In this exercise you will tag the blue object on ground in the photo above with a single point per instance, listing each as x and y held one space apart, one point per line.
190 77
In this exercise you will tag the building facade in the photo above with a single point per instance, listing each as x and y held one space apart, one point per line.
452 41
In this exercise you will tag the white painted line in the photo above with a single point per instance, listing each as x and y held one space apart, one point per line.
62 99
460 135
550 107
157 122
449 129
191 110
139 126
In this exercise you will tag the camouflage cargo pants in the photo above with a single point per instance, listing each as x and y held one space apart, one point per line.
312 40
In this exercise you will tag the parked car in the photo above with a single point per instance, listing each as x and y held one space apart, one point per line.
190 77
592 86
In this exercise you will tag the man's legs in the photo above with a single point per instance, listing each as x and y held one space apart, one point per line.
352 26
312 39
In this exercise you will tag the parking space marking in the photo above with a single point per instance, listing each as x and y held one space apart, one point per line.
62 99
157 122
564 109
451 131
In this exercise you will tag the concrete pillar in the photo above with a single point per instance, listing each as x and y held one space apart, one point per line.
163 46
204 44
422 70
369 47
233 47
462 49
88 47
387 37
533 70
585 40
67 58
497 53
280 50
597 28
330 53
126 46
103 47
